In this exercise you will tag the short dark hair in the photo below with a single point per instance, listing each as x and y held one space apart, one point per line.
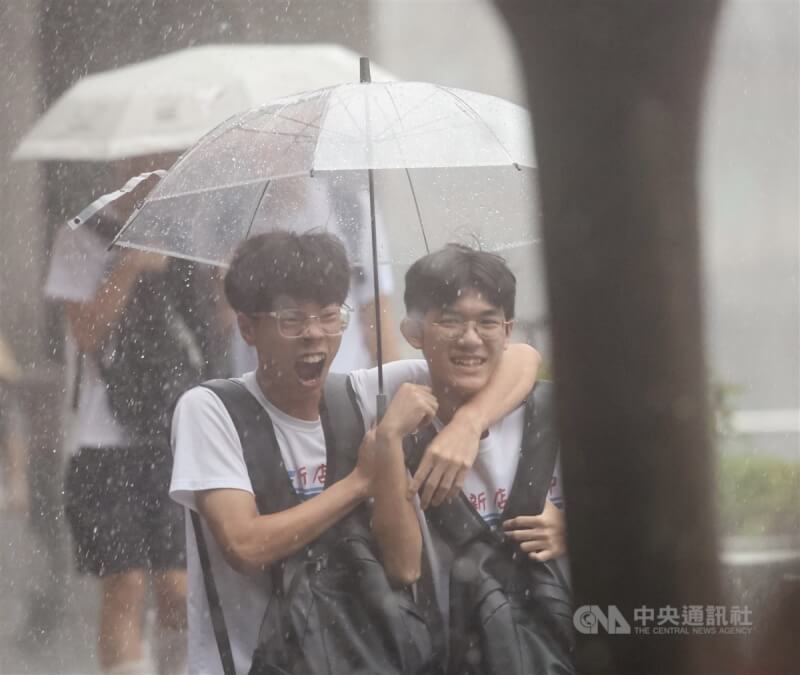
436 280
311 266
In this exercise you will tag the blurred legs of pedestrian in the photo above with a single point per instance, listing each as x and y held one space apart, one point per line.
120 641
170 642
128 533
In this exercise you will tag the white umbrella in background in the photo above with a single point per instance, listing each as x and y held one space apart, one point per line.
167 103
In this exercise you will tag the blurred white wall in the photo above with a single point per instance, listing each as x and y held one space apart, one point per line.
21 234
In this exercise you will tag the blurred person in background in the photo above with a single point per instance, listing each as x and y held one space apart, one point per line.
126 530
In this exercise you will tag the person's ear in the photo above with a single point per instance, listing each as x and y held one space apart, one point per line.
509 326
412 332
247 328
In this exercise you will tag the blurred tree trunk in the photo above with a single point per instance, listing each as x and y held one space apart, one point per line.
616 92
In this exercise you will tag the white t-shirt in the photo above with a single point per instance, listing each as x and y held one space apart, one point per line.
208 455
487 484
79 265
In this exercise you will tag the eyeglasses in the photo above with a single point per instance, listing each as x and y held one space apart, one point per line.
455 327
293 323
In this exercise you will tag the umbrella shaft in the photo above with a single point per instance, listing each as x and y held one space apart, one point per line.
376 281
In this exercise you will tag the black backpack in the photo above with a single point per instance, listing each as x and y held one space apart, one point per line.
509 615
332 609
155 352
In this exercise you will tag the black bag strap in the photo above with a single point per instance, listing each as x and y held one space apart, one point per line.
271 485
343 425
214 606
457 520
540 448
268 478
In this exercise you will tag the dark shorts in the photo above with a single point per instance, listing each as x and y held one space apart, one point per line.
120 513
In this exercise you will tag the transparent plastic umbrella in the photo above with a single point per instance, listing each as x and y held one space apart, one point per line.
448 165
435 164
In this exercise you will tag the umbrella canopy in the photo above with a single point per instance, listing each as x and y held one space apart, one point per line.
267 168
167 103
447 165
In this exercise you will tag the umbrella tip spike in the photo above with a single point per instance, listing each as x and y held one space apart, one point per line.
364 66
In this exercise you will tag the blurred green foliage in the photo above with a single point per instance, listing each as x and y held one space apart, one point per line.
758 495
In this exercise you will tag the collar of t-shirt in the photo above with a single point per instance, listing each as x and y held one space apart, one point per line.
278 416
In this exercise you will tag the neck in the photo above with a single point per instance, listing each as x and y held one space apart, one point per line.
306 408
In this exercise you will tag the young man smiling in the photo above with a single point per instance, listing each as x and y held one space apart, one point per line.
460 311
287 290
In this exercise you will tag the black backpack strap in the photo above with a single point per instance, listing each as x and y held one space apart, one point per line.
540 449
272 487
270 483
343 425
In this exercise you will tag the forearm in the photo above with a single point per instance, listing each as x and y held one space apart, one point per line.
507 388
394 519
259 541
90 322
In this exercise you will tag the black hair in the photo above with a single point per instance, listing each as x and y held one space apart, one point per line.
311 266
436 280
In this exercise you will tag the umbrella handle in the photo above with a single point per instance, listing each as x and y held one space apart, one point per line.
380 406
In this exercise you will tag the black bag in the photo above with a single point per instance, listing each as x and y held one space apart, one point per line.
154 353
508 614
332 609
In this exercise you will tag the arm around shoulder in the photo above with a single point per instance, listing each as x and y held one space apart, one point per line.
450 456
506 389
